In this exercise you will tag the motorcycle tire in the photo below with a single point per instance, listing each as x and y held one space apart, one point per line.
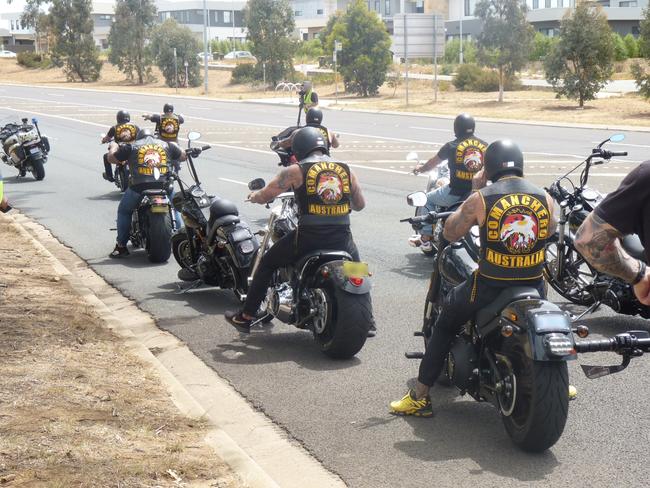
573 262
349 318
38 169
159 234
121 178
541 403
180 248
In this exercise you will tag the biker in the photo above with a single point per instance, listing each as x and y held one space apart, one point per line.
4 204
168 124
308 97
323 222
465 156
123 131
515 219
314 118
623 212
142 155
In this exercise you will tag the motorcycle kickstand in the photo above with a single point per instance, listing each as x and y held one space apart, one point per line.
195 284
594 306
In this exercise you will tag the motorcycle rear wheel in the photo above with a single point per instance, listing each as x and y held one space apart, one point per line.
38 169
345 322
541 400
159 236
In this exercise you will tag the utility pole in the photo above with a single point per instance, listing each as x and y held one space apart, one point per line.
406 60
205 46
435 58
337 47
175 70
233 24
462 12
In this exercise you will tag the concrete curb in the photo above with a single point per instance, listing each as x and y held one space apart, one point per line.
626 128
261 454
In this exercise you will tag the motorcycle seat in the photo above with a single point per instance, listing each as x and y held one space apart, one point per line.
148 193
329 254
225 220
505 298
633 246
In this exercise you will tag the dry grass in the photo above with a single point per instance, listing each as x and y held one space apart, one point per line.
537 105
76 408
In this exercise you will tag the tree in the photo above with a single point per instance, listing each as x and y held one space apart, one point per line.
632 46
164 39
542 45
638 72
452 51
334 19
582 62
74 47
506 38
270 24
365 58
128 37
620 50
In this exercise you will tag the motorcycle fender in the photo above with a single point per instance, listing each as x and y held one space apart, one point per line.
535 320
332 273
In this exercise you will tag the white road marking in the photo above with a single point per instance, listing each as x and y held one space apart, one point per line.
54 95
622 144
234 181
196 107
431 128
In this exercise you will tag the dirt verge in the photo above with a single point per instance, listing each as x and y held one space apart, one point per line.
77 408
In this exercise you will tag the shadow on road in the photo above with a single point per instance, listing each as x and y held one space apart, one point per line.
205 299
114 196
417 265
264 347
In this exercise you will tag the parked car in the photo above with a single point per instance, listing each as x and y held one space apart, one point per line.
200 56
7 54
240 56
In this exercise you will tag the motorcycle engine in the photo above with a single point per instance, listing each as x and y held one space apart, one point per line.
280 302
207 270
461 362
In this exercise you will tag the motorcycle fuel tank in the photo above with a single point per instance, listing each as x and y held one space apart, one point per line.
456 265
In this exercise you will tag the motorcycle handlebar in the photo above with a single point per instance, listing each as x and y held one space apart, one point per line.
427 218
620 153
206 147
618 343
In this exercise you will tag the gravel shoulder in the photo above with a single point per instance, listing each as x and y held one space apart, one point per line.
77 408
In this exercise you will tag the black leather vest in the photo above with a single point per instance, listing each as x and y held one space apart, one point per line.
324 131
169 127
324 197
515 230
465 159
147 154
125 132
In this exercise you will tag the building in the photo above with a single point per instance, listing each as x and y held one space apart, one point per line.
225 17
14 34
103 15
545 15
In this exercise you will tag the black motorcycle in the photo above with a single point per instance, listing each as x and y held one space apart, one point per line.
565 268
120 174
25 148
215 246
325 291
286 156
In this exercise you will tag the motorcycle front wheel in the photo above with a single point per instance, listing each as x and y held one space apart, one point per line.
569 274
534 400
38 169
342 321
121 178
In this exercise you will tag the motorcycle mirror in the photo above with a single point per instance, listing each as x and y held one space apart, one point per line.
24 120
256 184
417 199
412 156
156 173
193 136
617 137
34 120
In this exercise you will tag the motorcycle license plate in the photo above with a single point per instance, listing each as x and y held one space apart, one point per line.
34 150
160 208
354 269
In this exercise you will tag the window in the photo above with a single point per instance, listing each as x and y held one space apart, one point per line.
227 17
466 12
319 11
387 7
547 3
297 13
12 25
305 36
628 4
535 4
419 7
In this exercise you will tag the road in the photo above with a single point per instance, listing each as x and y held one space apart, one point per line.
338 410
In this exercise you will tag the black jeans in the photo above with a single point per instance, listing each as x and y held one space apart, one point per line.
108 167
289 249
460 305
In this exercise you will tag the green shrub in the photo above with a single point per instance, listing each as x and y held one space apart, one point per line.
243 73
620 50
310 49
323 79
452 51
632 46
29 59
466 75
446 69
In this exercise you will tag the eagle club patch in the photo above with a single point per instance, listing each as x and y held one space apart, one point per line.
151 156
327 183
169 127
469 157
125 132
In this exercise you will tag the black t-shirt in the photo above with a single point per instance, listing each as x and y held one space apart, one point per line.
627 209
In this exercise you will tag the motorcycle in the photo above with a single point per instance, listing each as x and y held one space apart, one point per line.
287 157
325 291
514 352
437 178
25 148
565 269
121 173
215 245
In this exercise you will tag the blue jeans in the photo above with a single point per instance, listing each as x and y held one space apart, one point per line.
130 201
440 197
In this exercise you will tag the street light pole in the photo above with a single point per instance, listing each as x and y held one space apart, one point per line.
233 25
205 46
462 8
175 70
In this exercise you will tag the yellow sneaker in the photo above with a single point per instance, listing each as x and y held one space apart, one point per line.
410 406
573 392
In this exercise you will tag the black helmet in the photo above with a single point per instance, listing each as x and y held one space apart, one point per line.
464 125
168 108
123 117
314 116
501 157
306 141
142 133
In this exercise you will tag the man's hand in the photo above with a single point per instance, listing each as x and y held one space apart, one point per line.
479 180
105 139
146 116
418 169
252 197
642 289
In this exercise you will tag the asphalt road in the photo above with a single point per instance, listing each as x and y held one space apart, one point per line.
339 409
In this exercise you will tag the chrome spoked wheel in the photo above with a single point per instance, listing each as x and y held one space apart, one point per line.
320 303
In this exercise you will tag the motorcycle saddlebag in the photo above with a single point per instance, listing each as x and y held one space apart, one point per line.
244 243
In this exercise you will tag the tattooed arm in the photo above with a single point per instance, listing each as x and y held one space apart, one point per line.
288 178
599 243
470 213
357 202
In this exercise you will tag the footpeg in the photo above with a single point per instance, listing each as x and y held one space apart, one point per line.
414 355
418 333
